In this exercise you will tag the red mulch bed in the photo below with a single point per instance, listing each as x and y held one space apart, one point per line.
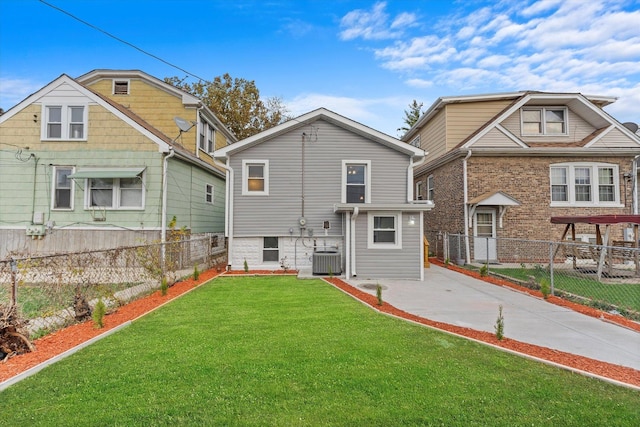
65 339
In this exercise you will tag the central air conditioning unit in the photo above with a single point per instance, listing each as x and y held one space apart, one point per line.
327 262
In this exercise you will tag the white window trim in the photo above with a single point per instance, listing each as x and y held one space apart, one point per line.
206 193
594 185
116 192
245 177
53 188
430 186
277 261
542 110
367 179
113 86
398 230
65 121
416 141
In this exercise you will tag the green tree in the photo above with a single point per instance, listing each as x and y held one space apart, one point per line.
237 103
411 116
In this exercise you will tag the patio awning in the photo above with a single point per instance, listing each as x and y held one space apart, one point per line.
106 173
497 198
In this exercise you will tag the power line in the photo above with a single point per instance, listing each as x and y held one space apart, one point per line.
122 41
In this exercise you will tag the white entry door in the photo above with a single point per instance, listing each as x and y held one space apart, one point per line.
484 233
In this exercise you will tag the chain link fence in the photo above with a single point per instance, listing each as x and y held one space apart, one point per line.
604 277
50 292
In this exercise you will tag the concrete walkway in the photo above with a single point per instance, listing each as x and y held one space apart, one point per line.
457 299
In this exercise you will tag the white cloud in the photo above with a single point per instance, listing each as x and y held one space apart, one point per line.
546 45
374 24
541 6
13 90
419 83
372 112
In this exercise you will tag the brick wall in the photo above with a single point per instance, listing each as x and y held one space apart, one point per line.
448 198
526 179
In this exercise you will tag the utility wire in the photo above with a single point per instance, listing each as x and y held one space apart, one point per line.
123 41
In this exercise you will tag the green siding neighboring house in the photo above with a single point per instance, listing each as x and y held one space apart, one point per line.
79 171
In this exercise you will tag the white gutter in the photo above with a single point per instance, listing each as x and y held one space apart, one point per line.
163 227
353 241
465 207
228 206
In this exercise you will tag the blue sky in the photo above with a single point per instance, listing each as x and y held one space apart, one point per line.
366 60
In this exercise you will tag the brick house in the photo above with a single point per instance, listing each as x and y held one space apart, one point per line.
501 165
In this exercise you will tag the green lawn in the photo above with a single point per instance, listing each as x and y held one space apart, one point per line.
276 351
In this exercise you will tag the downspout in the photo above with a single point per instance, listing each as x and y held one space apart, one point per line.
347 244
410 169
163 230
465 208
35 177
228 205
353 241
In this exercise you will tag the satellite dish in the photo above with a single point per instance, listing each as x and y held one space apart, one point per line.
633 127
182 124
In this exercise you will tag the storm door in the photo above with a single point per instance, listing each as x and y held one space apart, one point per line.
484 236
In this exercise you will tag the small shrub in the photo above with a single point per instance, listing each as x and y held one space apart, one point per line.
164 286
545 288
246 266
196 272
499 327
484 271
379 293
330 271
446 261
284 264
98 314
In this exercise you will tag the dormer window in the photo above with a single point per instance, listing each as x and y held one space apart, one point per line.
544 121
121 87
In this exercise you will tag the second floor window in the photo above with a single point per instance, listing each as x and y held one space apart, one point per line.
544 121
207 137
64 122
584 184
356 181
255 180
430 187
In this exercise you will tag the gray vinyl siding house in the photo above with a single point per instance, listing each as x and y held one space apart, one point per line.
290 197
